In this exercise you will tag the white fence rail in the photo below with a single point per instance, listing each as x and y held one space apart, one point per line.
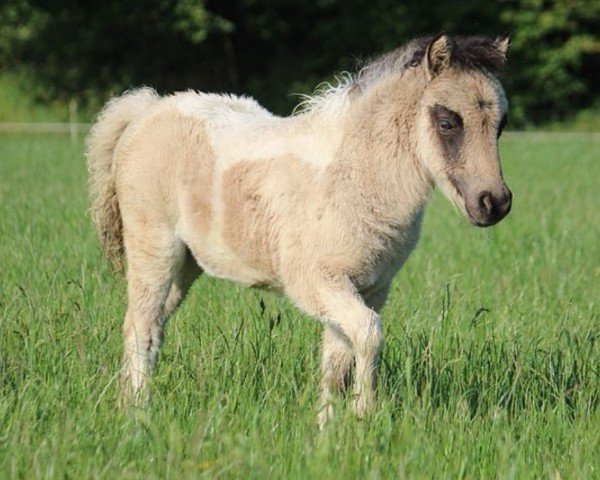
43 127
72 128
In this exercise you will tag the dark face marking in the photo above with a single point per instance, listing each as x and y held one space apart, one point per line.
450 131
502 124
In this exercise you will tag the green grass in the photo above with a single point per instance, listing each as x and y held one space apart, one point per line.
491 367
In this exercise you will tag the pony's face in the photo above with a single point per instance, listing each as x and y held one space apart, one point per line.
462 116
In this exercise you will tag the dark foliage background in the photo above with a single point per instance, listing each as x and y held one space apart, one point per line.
272 48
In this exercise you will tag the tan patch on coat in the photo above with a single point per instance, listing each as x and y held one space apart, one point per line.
166 172
260 198
196 170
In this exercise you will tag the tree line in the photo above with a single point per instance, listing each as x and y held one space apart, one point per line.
272 48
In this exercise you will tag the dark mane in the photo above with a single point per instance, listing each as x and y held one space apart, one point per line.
469 53
476 53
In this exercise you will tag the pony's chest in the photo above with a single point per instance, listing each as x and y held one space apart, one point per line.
391 259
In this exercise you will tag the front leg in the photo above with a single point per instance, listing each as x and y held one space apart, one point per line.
336 359
363 327
337 302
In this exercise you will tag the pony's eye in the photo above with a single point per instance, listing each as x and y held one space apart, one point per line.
445 125
445 121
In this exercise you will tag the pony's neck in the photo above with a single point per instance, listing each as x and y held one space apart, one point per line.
377 169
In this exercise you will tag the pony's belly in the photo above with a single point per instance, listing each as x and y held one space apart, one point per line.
218 260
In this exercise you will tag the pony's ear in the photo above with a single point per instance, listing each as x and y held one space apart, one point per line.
438 55
501 45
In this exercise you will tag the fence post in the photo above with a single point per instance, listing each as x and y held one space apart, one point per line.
73 125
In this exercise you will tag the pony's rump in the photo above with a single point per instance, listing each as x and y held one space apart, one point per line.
101 144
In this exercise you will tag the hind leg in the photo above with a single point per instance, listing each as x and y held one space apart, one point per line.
154 261
185 276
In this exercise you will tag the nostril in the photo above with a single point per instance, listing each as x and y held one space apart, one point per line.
506 200
485 202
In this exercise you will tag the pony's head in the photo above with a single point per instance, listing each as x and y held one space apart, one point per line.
461 116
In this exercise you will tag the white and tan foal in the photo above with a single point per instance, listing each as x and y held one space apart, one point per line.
324 205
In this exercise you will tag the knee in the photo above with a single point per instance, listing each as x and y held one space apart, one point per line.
366 334
372 338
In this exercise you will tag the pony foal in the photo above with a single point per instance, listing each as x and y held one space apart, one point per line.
324 205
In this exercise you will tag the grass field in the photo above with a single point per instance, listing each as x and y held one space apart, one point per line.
491 367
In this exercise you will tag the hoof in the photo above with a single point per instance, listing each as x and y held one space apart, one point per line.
324 416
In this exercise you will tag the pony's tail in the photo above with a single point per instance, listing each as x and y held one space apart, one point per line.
101 144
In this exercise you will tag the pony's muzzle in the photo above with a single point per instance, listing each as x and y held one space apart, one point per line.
488 209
